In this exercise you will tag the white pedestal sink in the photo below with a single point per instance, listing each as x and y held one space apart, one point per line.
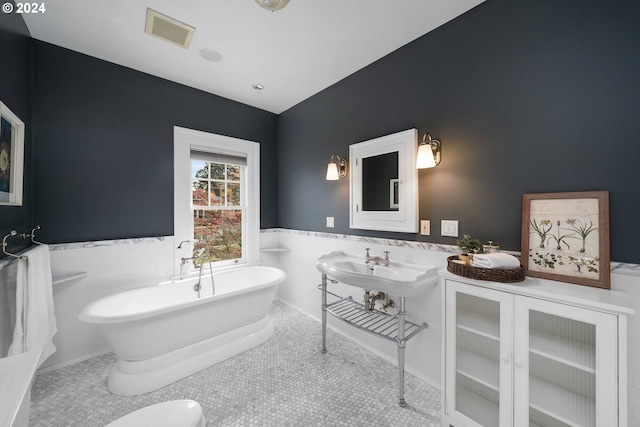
400 279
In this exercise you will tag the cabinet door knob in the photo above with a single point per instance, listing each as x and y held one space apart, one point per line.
505 357
519 362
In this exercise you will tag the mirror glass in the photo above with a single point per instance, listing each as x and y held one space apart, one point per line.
380 182
384 183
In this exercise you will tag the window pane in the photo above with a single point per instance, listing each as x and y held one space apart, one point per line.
233 173
233 194
200 193
199 169
217 171
217 194
221 232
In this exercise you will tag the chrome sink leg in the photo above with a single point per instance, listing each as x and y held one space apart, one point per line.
324 313
401 346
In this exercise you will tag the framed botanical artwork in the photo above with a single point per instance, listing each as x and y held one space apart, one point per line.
565 237
11 157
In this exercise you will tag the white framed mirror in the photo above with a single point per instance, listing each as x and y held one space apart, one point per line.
383 183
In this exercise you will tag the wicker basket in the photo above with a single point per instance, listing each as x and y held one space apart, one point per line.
502 275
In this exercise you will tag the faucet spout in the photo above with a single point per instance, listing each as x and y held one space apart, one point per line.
187 241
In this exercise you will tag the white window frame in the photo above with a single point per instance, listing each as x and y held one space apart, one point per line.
184 141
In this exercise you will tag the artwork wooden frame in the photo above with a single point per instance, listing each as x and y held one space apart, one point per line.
11 157
565 237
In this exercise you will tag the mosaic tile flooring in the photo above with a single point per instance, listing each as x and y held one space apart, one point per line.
284 382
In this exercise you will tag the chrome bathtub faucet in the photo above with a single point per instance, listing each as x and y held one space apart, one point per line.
185 260
192 241
198 285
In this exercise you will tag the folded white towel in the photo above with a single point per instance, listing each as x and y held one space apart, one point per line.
35 318
495 260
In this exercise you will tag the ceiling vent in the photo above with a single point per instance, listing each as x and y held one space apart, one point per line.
168 29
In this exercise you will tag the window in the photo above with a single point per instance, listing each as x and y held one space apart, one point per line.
216 200
217 204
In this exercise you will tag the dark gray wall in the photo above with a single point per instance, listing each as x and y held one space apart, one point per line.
527 97
15 93
103 146
536 96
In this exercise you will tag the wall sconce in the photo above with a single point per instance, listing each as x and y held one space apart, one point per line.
428 152
336 169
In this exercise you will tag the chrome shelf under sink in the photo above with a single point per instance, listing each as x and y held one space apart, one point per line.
381 324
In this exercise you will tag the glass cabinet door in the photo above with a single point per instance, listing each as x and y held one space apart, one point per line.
565 365
479 347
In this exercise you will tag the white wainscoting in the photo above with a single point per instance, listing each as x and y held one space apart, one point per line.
121 265
111 267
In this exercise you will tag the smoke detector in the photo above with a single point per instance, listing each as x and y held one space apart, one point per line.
168 29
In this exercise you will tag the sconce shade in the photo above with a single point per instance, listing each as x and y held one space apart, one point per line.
425 157
336 169
428 153
332 172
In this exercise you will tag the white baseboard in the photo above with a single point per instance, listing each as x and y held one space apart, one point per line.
70 362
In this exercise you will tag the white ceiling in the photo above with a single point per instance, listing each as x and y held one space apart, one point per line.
294 53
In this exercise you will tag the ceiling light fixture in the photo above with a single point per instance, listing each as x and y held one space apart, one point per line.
258 86
272 5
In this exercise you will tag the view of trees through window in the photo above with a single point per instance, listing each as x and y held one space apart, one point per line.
217 210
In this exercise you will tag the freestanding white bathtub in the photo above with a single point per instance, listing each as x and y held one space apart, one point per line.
165 333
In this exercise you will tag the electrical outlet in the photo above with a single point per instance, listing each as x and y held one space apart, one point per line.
330 222
449 228
425 227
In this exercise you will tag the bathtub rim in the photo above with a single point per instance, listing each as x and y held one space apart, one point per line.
194 273
87 316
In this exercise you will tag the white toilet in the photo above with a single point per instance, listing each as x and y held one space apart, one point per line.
174 413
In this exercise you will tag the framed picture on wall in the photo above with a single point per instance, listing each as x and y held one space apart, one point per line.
565 237
11 157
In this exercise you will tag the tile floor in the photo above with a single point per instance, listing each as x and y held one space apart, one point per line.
284 382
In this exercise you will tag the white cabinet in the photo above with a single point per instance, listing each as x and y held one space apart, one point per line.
528 355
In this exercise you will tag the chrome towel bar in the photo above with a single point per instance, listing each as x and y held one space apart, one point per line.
14 233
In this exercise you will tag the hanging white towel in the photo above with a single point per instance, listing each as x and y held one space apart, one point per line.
8 275
35 317
495 260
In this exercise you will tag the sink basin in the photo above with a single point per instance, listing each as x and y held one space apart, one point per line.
362 268
399 278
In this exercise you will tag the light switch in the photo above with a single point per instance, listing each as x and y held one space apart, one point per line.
330 221
425 227
449 228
